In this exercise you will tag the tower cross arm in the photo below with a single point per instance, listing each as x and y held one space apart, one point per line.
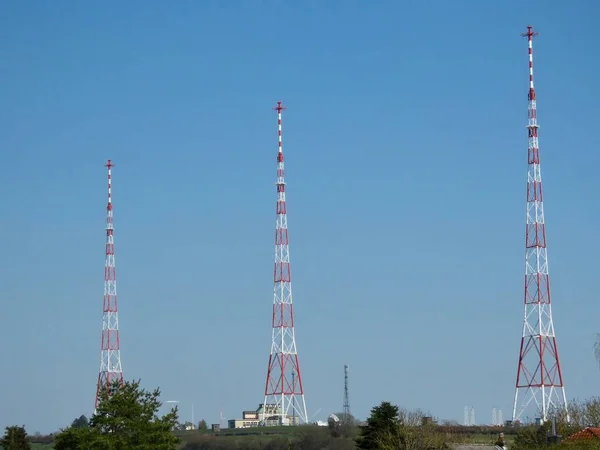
530 33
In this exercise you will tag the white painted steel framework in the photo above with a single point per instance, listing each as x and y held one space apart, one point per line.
539 372
110 355
284 391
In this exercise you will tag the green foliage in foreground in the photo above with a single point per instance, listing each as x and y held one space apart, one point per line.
126 419
582 414
15 438
388 428
383 422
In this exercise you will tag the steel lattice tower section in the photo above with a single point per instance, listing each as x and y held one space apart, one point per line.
346 405
539 371
284 392
110 359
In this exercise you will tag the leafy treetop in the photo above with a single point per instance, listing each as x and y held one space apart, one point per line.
15 438
382 421
126 419
81 422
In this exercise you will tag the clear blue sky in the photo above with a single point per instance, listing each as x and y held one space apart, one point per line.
405 147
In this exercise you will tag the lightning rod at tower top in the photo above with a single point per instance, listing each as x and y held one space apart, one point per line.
539 372
284 392
110 350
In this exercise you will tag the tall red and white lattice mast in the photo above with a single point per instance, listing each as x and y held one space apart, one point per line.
284 393
539 371
110 359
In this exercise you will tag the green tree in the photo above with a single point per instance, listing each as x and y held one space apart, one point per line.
81 422
15 438
80 439
532 436
126 419
202 425
382 422
413 435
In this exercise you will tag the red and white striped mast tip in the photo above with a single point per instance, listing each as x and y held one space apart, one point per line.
109 165
530 34
279 108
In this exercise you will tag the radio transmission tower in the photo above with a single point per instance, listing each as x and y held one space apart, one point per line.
110 359
284 393
346 396
539 372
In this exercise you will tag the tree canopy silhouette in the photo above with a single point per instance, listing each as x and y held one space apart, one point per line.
15 438
383 421
126 418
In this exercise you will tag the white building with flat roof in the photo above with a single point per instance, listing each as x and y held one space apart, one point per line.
268 415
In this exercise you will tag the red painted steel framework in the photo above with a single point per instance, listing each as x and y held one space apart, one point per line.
110 355
539 372
284 392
